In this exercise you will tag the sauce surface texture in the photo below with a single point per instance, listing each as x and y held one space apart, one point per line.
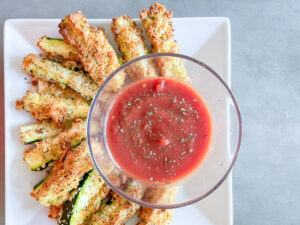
158 130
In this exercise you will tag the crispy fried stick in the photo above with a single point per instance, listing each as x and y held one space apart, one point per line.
44 106
151 216
157 22
47 70
96 54
119 210
132 44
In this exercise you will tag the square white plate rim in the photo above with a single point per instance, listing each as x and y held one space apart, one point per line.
227 185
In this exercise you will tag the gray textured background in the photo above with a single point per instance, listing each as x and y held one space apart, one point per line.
265 80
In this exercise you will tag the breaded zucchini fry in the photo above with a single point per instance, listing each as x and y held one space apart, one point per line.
32 133
56 90
57 49
54 72
91 191
150 216
96 54
116 213
52 149
132 44
44 106
64 177
157 22
120 210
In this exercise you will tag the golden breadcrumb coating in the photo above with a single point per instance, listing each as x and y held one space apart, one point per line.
64 177
51 71
43 106
116 213
96 54
94 202
157 22
56 90
55 212
160 195
132 44
73 65
150 216
120 209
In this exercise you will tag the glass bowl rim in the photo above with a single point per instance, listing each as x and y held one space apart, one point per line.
177 205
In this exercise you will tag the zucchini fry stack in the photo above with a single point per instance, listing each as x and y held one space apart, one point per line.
157 22
60 106
64 177
51 149
67 76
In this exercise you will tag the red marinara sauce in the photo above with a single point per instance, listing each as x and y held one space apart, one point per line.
158 130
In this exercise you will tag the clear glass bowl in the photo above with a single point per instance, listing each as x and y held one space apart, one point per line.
220 157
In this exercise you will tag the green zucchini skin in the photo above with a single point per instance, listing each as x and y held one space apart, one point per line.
68 205
90 194
33 141
57 49
56 39
64 177
35 187
40 168
49 150
40 183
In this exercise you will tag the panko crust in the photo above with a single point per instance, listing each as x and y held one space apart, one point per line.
132 44
96 54
43 106
158 24
43 69
45 87
151 216
55 212
117 213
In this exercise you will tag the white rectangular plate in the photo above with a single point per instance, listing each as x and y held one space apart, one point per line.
207 39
